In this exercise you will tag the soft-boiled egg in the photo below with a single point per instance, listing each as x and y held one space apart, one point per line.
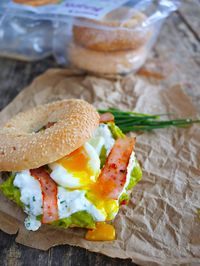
78 169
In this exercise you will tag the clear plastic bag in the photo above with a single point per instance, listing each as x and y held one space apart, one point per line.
3 4
25 38
99 36
119 43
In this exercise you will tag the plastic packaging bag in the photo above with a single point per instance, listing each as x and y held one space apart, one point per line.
118 43
25 38
3 4
99 36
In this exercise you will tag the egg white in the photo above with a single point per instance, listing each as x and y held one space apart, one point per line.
131 165
67 179
70 202
102 137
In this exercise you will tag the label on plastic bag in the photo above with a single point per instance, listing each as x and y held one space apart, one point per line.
91 9
94 9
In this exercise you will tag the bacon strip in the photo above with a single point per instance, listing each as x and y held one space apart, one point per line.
49 124
106 117
49 193
113 175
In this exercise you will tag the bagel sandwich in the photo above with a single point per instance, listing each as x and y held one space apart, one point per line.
67 166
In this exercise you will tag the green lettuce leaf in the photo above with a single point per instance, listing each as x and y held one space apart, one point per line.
80 219
136 175
115 130
39 217
10 191
124 197
102 156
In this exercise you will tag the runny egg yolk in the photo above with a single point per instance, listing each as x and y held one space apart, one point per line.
76 162
102 232
83 164
108 207
78 169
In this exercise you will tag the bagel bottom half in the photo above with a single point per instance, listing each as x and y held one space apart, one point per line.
119 62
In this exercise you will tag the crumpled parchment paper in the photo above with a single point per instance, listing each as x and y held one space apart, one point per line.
160 225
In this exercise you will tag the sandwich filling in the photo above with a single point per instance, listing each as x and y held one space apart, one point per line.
84 187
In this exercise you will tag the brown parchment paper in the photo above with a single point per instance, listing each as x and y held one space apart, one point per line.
160 225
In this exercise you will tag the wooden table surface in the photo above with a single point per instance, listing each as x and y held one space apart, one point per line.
179 45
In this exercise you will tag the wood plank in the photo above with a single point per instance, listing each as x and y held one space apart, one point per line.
190 12
13 254
179 50
15 75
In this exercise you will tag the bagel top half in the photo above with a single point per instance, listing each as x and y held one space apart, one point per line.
24 146
119 30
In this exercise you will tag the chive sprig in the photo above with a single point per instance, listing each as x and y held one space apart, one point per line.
132 121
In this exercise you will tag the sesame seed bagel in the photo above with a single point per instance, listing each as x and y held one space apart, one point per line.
120 62
121 35
24 146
